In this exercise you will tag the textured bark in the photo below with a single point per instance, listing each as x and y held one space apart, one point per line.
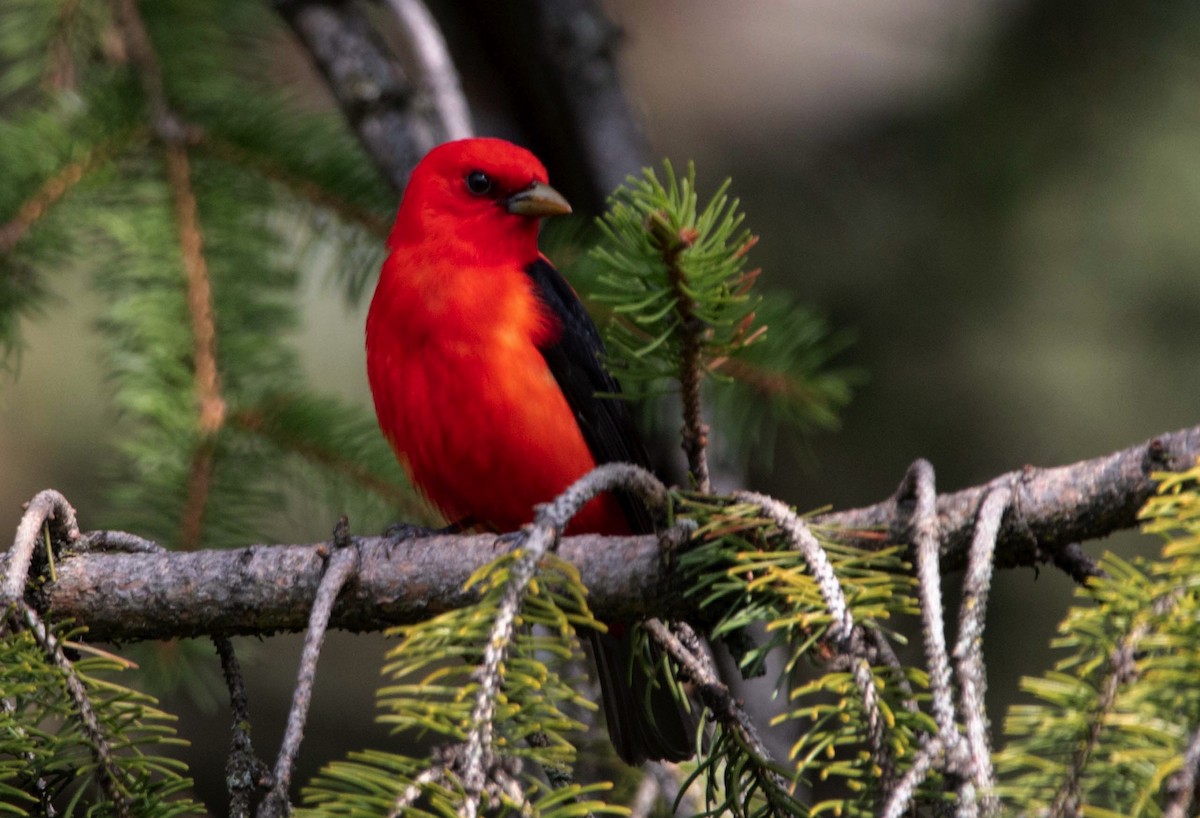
1052 508
264 589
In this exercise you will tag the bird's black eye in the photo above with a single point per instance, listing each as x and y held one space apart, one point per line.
479 183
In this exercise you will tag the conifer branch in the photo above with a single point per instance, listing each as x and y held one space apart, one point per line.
691 375
60 71
56 187
340 568
108 776
175 135
301 188
210 403
439 78
259 421
1122 670
135 596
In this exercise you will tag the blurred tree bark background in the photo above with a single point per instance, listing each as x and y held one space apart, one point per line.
997 201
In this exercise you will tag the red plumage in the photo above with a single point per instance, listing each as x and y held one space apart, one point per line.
484 369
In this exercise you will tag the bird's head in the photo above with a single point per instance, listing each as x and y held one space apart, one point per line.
477 196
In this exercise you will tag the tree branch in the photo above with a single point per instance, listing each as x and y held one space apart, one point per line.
377 98
559 56
261 589
1052 508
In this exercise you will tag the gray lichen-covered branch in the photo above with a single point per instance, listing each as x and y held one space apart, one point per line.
126 593
1052 509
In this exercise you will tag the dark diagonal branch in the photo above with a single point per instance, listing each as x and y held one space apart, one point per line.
560 57
438 76
379 101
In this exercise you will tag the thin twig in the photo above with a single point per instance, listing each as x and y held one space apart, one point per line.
715 694
900 798
341 566
536 540
244 773
671 245
46 505
108 775
1182 785
439 78
409 795
843 631
119 541
919 484
1122 669
968 650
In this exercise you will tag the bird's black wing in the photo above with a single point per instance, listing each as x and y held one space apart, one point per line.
644 718
575 359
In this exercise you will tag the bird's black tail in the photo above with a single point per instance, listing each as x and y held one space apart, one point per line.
663 730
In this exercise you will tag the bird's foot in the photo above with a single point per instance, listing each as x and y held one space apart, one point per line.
508 541
397 533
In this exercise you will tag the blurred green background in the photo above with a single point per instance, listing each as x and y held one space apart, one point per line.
998 199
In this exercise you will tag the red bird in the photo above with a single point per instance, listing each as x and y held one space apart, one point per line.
485 370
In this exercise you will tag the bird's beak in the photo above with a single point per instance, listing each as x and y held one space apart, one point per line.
537 200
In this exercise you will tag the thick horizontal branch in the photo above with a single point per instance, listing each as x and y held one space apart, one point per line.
1052 509
263 589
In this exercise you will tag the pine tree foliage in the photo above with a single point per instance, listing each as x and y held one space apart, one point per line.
431 699
1115 718
671 269
47 763
746 573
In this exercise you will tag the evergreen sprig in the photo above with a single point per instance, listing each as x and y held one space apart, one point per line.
46 758
745 573
672 279
432 697
667 262
1114 718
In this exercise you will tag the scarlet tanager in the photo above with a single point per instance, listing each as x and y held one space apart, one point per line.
485 370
